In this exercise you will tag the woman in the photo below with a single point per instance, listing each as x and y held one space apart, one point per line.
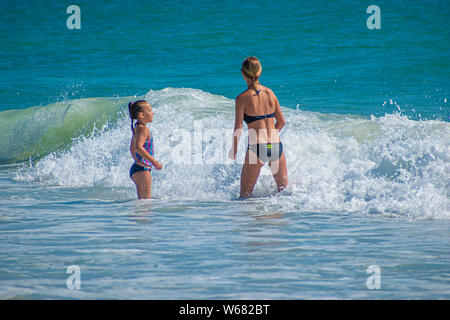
258 106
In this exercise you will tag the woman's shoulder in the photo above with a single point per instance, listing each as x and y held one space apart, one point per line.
267 90
243 94
250 92
270 94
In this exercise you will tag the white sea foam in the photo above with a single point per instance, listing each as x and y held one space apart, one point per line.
390 165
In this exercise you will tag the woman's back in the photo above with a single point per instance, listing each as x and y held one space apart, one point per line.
260 108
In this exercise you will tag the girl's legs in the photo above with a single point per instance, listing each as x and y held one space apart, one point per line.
143 182
249 175
279 172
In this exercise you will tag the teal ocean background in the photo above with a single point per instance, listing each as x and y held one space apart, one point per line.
367 142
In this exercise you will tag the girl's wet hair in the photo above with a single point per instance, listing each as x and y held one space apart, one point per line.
134 108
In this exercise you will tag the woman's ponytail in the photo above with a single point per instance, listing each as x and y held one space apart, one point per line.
252 69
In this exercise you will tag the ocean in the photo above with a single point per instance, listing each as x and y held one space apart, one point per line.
367 143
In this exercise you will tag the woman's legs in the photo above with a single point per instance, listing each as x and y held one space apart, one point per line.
249 175
279 172
143 181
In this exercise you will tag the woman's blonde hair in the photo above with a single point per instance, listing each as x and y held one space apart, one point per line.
252 69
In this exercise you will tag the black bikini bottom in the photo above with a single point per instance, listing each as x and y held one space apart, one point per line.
267 151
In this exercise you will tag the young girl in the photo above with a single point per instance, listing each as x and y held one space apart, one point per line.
141 148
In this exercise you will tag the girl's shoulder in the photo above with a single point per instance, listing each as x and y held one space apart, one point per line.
141 129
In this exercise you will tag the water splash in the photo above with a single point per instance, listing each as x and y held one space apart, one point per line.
387 165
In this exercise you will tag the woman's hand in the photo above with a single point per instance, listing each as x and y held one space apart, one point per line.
231 154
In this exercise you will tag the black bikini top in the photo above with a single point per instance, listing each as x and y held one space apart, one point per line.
249 119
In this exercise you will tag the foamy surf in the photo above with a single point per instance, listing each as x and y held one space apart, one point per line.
388 165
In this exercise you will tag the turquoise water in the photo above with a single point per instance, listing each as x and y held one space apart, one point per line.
367 142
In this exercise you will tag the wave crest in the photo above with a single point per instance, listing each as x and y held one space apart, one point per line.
389 165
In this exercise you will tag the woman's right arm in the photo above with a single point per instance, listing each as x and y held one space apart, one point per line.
278 115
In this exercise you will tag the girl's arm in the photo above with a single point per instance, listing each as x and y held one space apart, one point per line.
140 135
239 118
133 154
